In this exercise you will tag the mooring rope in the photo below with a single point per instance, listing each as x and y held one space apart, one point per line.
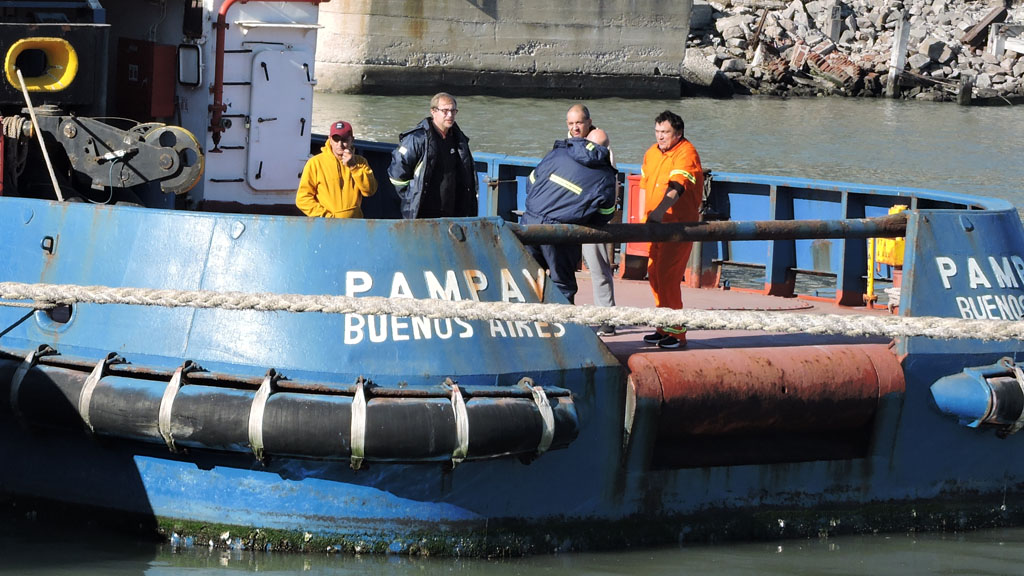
45 295
15 150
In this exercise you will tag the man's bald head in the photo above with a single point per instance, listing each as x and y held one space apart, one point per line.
599 137
577 120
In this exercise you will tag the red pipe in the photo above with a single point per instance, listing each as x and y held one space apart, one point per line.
218 108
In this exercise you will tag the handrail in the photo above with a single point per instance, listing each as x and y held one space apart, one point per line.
892 226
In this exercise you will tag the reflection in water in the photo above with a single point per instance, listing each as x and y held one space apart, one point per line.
883 142
31 550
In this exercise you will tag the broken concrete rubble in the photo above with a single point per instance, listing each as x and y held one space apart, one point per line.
702 78
796 56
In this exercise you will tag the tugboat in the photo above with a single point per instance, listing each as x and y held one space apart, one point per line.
178 350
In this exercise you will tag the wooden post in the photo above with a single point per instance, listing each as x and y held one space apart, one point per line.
963 97
898 58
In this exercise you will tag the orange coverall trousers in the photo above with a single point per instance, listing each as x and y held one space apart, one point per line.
667 264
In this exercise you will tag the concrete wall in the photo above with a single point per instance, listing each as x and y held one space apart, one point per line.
528 47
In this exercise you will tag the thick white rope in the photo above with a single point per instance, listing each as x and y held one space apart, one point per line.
15 149
850 325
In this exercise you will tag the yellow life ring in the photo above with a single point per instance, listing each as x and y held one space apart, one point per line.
61 64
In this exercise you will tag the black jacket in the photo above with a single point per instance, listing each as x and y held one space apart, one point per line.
412 164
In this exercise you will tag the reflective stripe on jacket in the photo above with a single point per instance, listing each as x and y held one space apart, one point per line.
413 160
573 184
681 164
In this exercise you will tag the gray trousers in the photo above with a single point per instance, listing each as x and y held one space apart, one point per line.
596 258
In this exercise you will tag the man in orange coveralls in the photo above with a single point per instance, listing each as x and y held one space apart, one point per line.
335 181
672 182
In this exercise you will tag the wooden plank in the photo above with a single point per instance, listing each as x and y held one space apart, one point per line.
977 35
1014 45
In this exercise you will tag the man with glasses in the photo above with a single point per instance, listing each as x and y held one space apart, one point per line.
334 182
432 169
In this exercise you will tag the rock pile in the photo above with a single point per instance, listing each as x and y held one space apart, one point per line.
822 47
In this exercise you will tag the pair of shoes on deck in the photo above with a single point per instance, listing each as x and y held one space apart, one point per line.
606 330
665 340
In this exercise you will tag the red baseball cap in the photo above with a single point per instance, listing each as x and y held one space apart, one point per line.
341 128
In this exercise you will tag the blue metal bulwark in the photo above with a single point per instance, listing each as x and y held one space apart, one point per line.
449 260
967 265
779 277
752 198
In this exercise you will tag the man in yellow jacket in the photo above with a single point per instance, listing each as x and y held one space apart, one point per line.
335 181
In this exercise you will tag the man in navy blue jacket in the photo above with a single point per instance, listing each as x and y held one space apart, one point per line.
432 169
573 184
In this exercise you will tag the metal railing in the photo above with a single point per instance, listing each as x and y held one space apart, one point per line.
503 183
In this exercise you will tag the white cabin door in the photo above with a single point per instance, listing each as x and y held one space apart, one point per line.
279 126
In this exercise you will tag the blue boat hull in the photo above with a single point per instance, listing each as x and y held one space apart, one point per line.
596 487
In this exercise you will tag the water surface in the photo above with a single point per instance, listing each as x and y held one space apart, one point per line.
940 146
41 552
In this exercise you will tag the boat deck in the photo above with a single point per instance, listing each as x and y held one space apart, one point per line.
628 339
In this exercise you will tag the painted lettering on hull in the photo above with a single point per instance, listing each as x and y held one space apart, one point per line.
979 278
449 285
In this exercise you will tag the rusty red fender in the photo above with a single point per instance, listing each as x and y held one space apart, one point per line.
746 391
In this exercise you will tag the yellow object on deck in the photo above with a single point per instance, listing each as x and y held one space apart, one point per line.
890 250
60 68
